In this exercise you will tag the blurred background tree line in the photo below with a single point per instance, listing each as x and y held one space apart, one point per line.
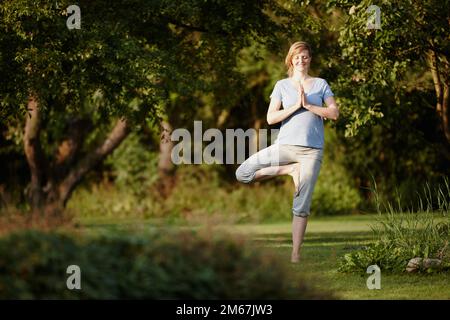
86 115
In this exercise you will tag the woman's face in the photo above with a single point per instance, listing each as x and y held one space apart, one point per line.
301 61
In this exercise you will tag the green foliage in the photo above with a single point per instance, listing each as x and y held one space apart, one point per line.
163 265
201 192
134 166
123 55
65 67
376 61
388 258
127 59
403 151
165 59
402 236
107 201
204 191
335 192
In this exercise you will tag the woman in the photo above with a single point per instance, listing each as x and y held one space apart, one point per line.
298 149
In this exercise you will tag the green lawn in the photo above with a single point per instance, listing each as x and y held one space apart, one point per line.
327 239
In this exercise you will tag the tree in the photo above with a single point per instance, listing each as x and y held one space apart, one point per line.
83 90
390 94
413 35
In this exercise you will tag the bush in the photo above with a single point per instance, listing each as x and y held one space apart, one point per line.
203 190
200 192
334 193
387 257
176 265
106 200
134 166
401 237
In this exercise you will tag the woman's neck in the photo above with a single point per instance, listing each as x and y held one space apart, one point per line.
300 76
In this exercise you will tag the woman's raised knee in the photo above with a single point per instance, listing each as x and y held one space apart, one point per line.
243 175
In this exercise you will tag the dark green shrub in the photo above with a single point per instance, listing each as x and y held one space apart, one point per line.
165 265
134 166
401 237
388 258
335 192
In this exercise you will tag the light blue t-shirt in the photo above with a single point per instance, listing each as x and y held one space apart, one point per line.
303 127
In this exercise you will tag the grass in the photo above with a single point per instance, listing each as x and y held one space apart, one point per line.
326 240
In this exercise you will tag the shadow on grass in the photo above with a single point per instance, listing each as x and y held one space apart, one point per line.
316 238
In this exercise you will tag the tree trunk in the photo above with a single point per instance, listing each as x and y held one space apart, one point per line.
445 111
112 141
51 187
441 87
68 149
33 153
165 164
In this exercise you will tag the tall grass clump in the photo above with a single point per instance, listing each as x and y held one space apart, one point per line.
399 235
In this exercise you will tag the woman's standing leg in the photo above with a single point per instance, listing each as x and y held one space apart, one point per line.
298 233
310 161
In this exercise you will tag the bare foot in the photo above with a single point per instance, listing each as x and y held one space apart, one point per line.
295 174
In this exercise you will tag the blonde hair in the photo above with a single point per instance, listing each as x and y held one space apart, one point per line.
296 48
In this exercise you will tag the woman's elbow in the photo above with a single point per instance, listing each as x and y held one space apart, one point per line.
270 120
334 114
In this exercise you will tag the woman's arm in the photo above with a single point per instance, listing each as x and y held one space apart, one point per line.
330 112
275 115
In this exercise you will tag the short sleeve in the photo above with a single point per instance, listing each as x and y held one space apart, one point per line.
326 91
276 93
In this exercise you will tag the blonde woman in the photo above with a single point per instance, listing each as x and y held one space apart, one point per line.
298 149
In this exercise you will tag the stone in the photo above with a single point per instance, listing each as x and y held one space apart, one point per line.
431 263
415 264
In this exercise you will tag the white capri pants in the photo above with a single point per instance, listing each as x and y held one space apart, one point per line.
310 160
